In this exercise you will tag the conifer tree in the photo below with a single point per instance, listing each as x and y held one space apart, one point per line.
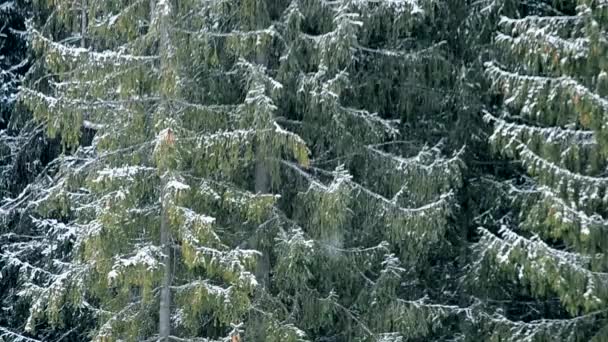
266 170
17 165
24 154
159 204
11 57
288 170
541 263
353 239
11 54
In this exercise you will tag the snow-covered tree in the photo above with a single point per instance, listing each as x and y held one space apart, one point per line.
160 205
16 167
367 84
265 170
543 258
12 54
24 154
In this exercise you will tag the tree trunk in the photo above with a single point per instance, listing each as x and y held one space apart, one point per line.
164 328
83 23
165 291
152 10
261 186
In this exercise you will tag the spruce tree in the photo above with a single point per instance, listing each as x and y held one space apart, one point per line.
541 262
265 170
365 87
12 57
160 204
24 154
12 54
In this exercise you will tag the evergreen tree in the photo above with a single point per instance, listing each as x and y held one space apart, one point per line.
17 166
12 55
24 154
293 170
161 203
541 257
196 208
356 259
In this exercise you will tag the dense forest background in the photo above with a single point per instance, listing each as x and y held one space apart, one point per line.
304 170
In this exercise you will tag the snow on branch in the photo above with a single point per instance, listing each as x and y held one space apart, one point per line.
420 160
545 269
541 24
219 109
210 288
372 120
257 76
83 82
257 96
554 51
580 189
563 84
571 215
211 140
194 226
398 6
16 259
204 33
147 257
520 331
59 230
556 176
551 216
106 329
49 300
549 134
127 173
76 54
534 43
227 262
64 104
407 55
14 336
175 185
7 6
440 202
290 135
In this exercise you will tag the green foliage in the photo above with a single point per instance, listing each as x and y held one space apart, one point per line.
286 170
551 243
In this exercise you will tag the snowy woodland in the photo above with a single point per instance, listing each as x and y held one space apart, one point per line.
304 170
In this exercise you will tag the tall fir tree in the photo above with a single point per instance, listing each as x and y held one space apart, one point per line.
12 54
21 151
286 170
541 258
160 204
199 169
25 153
354 259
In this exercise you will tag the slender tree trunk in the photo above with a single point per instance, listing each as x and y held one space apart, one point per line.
164 327
83 23
262 185
261 175
165 291
152 10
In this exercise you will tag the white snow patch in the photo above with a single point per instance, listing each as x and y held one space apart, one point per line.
177 185
7 6
112 275
127 172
